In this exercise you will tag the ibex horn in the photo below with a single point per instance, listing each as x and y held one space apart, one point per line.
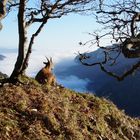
47 59
51 59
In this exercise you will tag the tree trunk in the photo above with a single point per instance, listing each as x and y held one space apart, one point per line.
135 18
22 43
29 51
2 10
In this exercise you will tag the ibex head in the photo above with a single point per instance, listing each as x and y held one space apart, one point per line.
49 64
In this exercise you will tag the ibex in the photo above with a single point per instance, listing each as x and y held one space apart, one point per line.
45 75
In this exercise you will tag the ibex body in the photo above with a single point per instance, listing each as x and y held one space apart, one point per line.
45 75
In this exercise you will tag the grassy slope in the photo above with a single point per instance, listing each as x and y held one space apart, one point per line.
35 112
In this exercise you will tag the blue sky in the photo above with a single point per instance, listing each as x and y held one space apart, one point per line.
58 34
59 39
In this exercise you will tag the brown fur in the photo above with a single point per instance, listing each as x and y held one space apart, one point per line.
45 75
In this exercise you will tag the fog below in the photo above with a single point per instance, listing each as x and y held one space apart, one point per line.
72 74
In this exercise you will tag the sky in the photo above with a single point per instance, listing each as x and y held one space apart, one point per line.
58 34
59 39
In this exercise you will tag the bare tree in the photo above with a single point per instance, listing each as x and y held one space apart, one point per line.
2 10
120 24
38 12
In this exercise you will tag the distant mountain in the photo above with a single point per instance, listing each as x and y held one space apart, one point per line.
2 57
124 94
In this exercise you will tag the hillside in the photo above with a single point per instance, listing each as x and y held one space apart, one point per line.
35 112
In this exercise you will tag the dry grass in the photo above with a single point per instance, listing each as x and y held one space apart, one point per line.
35 112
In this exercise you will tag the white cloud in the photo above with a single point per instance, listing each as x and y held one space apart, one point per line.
36 63
7 65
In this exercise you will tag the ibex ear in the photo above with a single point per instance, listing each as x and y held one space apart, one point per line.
45 63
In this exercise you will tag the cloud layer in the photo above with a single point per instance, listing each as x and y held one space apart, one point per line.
36 63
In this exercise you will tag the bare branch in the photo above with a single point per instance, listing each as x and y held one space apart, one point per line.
124 75
121 24
83 57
